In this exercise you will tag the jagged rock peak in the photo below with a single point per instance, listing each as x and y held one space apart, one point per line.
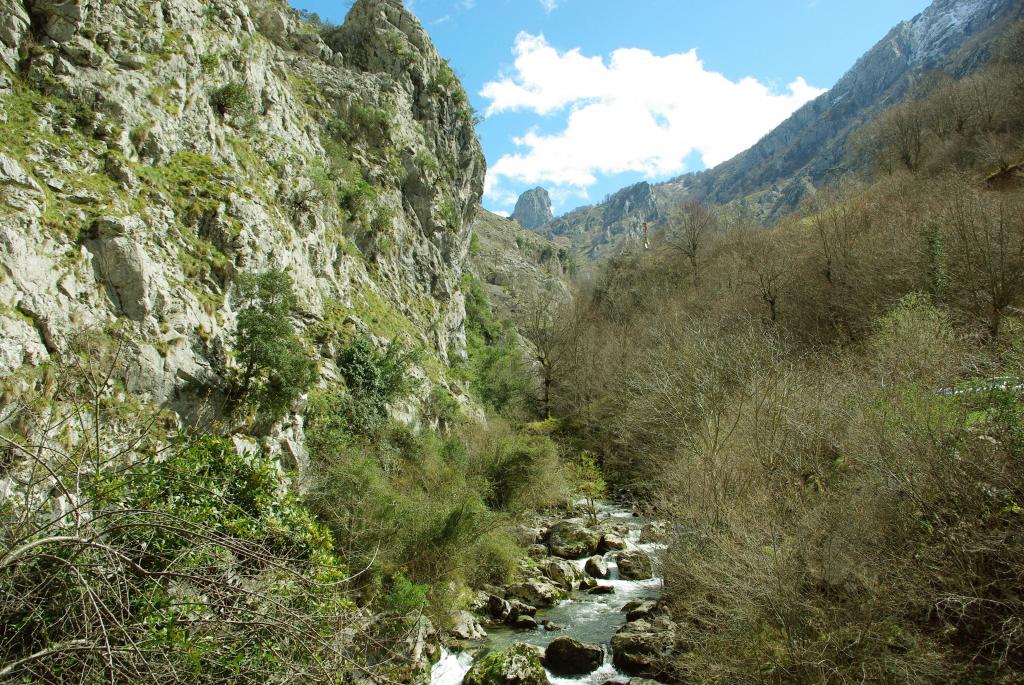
635 202
533 209
383 36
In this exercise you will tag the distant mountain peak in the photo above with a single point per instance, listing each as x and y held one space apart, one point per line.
533 209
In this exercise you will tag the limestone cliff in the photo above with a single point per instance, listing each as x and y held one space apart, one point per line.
533 209
155 150
513 262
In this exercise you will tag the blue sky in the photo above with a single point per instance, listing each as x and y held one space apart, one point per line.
584 97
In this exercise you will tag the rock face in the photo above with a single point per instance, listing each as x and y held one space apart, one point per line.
533 209
520 664
510 260
205 140
568 657
572 540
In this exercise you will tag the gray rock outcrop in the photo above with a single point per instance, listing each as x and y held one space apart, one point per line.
533 209
351 162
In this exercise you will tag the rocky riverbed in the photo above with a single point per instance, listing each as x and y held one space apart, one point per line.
587 611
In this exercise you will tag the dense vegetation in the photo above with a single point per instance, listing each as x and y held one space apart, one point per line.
144 551
829 411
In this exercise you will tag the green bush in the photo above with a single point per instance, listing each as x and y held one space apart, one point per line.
233 99
276 368
375 377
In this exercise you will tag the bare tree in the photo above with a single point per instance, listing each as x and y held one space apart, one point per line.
987 231
545 321
690 225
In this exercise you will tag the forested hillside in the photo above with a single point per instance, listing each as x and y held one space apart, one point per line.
829 411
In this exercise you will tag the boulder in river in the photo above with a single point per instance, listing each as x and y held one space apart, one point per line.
566 656
643 648
597 567
572 540
634 565
638 610
467 627
610 542
498 608
520 664
538 593
602 590
563 573
525 622
517 609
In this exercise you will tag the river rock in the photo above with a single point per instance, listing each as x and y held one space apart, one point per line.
563 573
602 590
638 610
538 593
467 627
566 656
610 542
643 649
520 664
497 608
634 565
517 609
537 551
597 567
525 622
572 540
655 531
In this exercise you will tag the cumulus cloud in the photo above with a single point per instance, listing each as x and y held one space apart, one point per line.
634 112
549 5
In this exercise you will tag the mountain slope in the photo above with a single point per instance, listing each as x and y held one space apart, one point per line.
808 149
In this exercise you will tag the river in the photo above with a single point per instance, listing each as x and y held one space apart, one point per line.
585 617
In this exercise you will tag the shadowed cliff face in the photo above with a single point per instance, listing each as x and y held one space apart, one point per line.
155 151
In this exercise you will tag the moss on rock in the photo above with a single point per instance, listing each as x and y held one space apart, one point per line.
520 664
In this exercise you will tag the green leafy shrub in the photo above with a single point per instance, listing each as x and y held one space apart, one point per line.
233 99
375 378
276 368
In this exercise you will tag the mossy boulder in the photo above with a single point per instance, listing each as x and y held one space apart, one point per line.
572 540
520 664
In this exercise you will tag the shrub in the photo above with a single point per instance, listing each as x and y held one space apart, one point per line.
185 562
276 368
375 378
233 99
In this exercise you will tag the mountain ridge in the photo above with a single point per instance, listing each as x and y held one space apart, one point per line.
807 150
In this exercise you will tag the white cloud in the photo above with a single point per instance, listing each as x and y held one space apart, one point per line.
549 5
635 112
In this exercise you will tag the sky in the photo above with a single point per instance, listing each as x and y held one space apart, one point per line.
584 97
